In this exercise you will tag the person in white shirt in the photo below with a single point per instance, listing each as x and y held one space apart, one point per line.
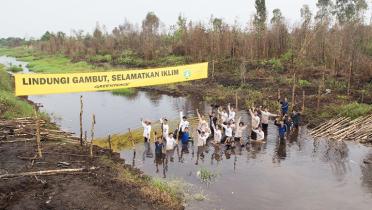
228 134
146 130
239 131
223 115
183 124
259 133
231 115
255 123
217 137
164 127
203 125
265 117
201 142
169 146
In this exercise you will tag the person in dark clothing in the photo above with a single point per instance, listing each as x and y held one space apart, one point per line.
288 122
212 121
185 141
296 118
284 106
282 128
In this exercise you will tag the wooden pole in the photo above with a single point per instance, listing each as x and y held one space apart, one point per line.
109 142
47 172
131 138
92 135
236 100
293 91
81 120
318 100
213 69
86 137
349 80
303 101
38 142
279 108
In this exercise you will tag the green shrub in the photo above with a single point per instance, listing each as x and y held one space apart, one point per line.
304 83
129 58
336 84
15 69
355 109
124 91
100 59
287 56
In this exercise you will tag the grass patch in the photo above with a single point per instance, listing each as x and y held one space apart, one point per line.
43 63
355 110
206 176
15 69
10 105
304 83
155 189
352 110
124 92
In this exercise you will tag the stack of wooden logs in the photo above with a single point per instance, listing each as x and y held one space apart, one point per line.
344 128
26 128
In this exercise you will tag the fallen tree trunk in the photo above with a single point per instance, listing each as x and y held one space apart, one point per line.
47 172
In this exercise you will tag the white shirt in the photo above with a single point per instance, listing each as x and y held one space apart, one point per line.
239 131
265 117
224 116
165 128
146 130
217 135
171 142
260 134
255 121
184 123
231 116
228 130
202 140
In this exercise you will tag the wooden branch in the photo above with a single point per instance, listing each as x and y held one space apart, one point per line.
47 172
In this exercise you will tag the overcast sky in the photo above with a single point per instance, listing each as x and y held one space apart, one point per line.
31 18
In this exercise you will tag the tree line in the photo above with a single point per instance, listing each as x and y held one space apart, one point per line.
336 37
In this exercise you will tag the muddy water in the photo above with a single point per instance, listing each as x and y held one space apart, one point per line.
300 173
114 114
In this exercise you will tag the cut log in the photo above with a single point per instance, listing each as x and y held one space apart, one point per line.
47 172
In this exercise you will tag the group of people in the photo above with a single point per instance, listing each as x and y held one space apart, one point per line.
223 127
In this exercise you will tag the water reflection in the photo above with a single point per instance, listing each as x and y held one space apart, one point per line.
296 165
366 168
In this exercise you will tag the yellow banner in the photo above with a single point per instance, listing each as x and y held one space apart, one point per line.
38 84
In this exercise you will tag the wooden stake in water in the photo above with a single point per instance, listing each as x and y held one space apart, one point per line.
293 91
318 100
109 143
236 100
213 69
279 107
303 101
81 120
38 142
92 134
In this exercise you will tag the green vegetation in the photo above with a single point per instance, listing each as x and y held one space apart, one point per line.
15 69
354 110
154 188
57 64
206 175
10 105
124 91
175 188
43 63
304 83
337 85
